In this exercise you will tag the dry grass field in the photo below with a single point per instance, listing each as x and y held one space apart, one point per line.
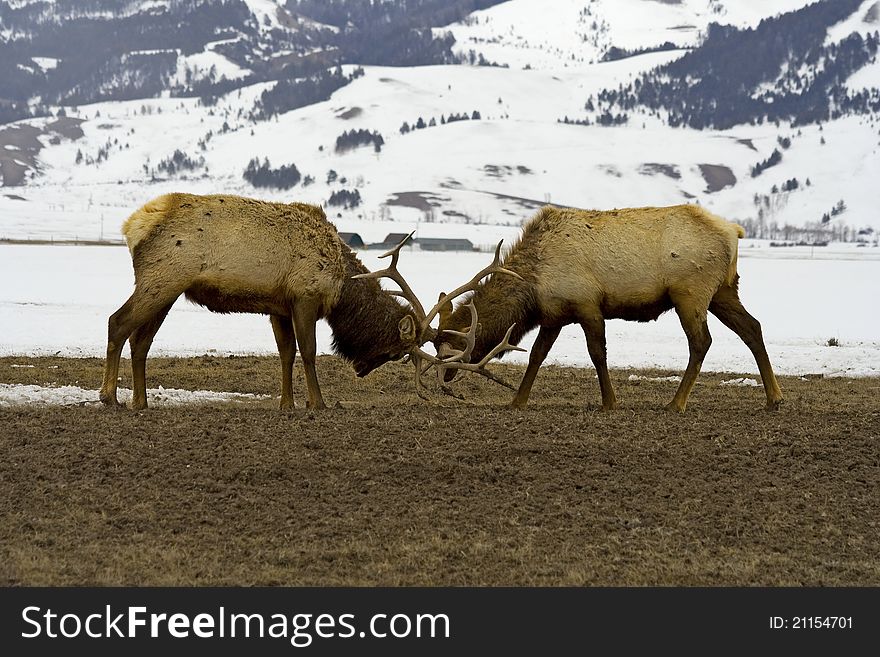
388 489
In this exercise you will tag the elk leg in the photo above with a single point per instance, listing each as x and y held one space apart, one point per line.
305 316
728 308
143 305
140 341
693 321
115 341
594 330
546 337
282 327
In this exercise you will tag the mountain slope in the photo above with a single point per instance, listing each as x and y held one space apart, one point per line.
450 149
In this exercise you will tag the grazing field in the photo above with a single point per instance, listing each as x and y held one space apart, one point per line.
388 489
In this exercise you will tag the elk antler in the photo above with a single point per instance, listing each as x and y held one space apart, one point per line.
417 357
454 362
406 292
458 360
493 268
470 337
392 272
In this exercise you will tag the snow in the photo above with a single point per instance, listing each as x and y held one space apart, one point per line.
485 178
655 379
45 63
200 64
265 11
748 13
33 395
854 23
522 33
475 173
56 300
867 77
741 383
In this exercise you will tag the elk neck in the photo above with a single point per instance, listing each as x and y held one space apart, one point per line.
501 301
364 320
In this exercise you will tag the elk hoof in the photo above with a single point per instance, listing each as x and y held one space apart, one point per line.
673 407
774 405
111 402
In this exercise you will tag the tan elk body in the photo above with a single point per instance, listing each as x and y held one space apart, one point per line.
581 266
234 254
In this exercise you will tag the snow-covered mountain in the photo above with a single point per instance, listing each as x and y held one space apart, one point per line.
571 33
448 148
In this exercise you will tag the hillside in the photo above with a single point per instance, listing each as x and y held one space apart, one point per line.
445 146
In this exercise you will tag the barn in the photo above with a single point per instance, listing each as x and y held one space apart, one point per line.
354 240
445 244
391 240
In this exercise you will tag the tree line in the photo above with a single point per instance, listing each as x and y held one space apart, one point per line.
781 70
351 139
103 56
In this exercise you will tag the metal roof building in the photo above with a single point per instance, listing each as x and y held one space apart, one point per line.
445 244
352 239
391 240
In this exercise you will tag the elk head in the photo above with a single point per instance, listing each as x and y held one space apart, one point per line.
416 330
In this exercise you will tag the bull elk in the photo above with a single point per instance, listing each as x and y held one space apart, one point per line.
580 266
285 260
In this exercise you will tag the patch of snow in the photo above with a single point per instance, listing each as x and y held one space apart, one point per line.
867 77
656 379
45 63
201 64
265 12
741 382
854 23
33 395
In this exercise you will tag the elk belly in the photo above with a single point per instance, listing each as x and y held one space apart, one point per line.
231 299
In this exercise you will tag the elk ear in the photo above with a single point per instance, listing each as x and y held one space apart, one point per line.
445 311
407 328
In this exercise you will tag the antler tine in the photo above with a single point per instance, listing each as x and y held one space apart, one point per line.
480 367
392 272
504 345
482 371
421 388
470 337
417 355
493 268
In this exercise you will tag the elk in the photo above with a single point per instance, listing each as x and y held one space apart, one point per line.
234 254
585 266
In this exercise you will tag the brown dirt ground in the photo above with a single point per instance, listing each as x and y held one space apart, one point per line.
387 489
717 177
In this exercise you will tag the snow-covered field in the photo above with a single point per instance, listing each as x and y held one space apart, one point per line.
472 179
56 300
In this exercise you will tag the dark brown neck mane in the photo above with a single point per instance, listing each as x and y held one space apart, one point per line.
364 320
500 302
